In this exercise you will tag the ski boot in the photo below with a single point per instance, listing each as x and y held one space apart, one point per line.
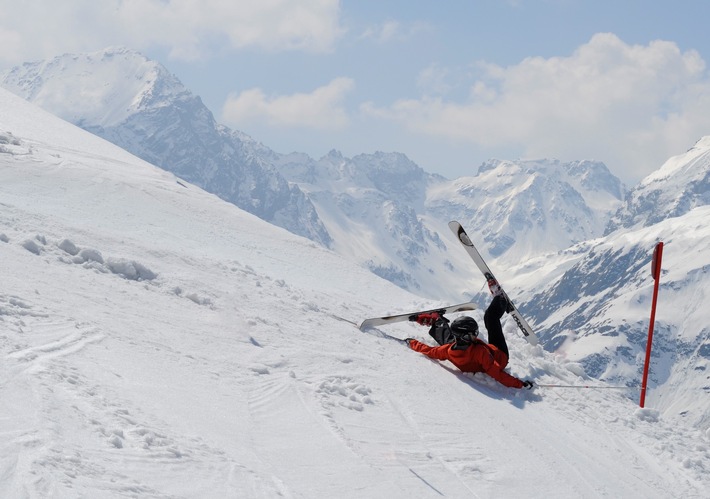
496 291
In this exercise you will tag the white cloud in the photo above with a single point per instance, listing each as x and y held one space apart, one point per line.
434 79
383 32
636 105
189 28
321 109
390 31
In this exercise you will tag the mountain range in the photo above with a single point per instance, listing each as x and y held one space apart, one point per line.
518 209
567 239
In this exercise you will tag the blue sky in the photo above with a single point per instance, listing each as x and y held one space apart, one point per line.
449 83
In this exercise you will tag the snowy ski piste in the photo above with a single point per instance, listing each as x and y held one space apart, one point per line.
158 342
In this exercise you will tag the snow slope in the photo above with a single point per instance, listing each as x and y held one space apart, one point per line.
159 342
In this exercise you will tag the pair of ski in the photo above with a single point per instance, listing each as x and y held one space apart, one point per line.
463 238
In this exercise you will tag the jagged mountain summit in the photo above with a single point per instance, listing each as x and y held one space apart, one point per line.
681 184
373 205
136 103
525 208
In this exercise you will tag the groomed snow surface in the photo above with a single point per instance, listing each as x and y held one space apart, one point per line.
158 342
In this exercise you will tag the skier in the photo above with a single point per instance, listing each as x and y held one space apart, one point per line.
460 345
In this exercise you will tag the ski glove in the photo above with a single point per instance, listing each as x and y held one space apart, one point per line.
528 385
408 341
427 319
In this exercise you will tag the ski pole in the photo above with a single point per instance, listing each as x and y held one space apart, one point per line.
588 386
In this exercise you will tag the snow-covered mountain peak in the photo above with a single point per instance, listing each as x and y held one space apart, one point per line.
681 184
539 205
590 178
696 158
101 88
137 104
391 173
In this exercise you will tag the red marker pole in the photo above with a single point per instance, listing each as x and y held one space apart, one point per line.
656 273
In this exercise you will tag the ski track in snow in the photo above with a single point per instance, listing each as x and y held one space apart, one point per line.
37 347
112 435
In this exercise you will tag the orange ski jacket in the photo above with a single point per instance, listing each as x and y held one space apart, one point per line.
479 357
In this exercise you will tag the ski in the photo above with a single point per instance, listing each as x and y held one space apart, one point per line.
412 316
463 238
375 332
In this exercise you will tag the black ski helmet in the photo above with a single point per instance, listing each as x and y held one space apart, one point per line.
464 329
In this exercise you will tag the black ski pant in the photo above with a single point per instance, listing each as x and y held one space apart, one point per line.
491 318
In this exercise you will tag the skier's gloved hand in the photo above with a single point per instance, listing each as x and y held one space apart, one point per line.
427 319
409 341
528 385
